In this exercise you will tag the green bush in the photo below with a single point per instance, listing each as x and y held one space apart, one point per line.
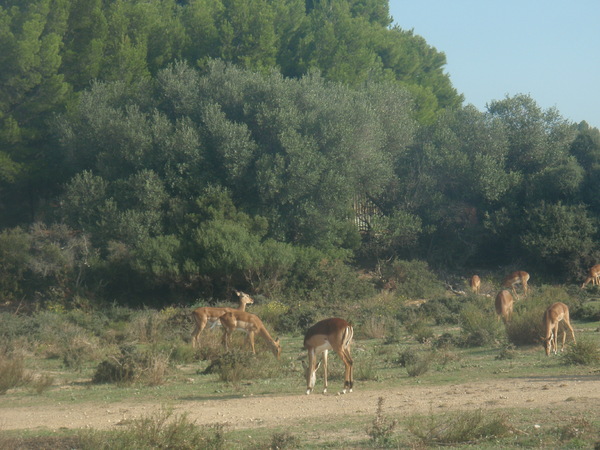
585 352
412 279
232 366
419 329
526 326
416 363
589 311
479 327
444 310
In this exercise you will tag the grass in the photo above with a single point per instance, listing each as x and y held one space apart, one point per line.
175 381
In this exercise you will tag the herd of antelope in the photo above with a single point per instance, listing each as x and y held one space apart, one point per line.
553 315
336 334
329 334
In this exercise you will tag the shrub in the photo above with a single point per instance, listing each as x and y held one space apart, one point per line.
12 372
232 366
445 310
284 440
585 352
42 383
463 427
161 430
382 428
508 352
589 311
117 370
419 329
149 366
416 363
364 367
412 279
375 328
526 326
183 353
479 327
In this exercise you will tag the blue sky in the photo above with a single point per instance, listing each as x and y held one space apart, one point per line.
548 49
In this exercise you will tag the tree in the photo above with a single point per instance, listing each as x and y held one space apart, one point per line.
559 237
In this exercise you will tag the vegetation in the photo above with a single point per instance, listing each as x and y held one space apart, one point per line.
131 356
155 154
156 151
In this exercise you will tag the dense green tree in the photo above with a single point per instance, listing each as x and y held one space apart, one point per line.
558 237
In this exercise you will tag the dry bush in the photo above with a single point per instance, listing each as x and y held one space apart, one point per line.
12 372
375 328
382 428
160 430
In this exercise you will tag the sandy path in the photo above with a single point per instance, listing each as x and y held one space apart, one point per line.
577 393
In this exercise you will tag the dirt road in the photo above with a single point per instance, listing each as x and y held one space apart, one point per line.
577 393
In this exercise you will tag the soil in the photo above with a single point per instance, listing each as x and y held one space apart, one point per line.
575 394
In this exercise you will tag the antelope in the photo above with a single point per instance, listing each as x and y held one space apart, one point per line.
252 325
504 305
518 277
552 316
210 314
329 334
593 276
475 283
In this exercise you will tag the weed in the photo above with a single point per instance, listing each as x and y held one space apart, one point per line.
284 440
508 352
382 428
161 430
573 429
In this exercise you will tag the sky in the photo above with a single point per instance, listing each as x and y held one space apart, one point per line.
548 49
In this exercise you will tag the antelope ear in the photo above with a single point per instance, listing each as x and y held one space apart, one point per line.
318 365
239 294
277 341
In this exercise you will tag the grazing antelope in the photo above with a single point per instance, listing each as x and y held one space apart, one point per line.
593 276
252 325
552 316
475 283
329 334
504 305
210 314
518 277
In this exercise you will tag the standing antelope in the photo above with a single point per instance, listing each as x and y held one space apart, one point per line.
504 305
518 277
329 334
475 283
593 276
210 314
251 324
552 316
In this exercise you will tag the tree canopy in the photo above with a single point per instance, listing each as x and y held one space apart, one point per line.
156 149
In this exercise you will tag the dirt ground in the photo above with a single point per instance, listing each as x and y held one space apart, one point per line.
575 394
